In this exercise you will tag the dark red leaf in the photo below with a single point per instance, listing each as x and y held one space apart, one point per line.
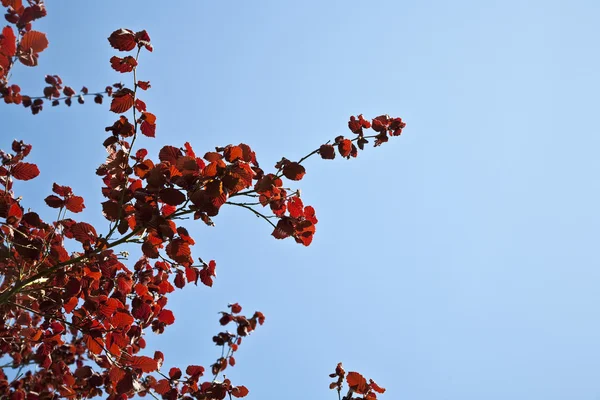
75 204
54 201
122 39
172 196
194 370
125 64
179 280
122 101
327 152
284 229
144 85
294 171
25 171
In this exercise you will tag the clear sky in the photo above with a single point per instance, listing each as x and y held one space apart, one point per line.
459 261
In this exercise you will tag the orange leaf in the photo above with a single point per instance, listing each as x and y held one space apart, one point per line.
357 382
239 391
94 345
146 364
376 387
35 41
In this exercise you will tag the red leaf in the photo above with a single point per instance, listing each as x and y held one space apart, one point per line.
357 382
122 39
239 391
150 249
162 387
61 190
194 370
70 305
309 214
174 373
179 280
148 129
15 213
172 196
143 39
166 316
149 117
179 251
34 40
8 42
376 387
54 201
345 147
75 204
124 64
235 308
231 361
122 101
141 106
327 152
294 171
82 232
295 207
121 320
207 272
25 171
284 229
146 364
144 85
68 91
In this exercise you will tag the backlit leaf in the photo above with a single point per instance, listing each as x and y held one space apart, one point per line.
25 171
376 387
125 64
357 382
122 39
34 40
239 391
167 317
122 101
8 42
146 364
294 171
75 204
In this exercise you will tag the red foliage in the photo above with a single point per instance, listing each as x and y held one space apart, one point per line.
79 318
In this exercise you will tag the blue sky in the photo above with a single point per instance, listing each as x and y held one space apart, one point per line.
458 261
